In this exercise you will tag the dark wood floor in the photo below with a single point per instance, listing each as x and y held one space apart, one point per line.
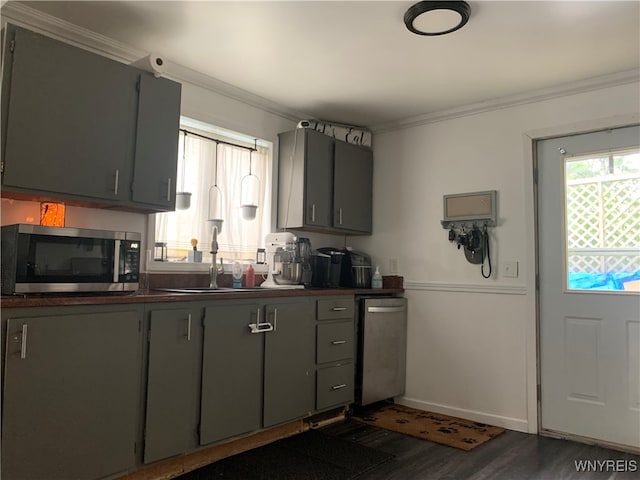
510 456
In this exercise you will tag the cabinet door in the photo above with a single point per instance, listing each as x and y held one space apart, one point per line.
71 395
70 120
353 187
318 179
231 402
289 362
156 156
173 383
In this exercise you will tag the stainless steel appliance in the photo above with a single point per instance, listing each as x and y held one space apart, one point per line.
356 270
381 326
38 259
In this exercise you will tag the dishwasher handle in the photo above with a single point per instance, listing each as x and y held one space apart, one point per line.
386 309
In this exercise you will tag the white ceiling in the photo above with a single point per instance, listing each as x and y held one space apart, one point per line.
355 62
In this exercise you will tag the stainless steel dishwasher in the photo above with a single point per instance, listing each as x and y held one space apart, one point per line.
381 329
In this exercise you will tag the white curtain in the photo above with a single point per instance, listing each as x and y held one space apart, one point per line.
239 238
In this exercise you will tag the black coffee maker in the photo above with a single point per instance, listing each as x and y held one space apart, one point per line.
327 267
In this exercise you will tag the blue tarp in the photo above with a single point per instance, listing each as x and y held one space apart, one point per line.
601 281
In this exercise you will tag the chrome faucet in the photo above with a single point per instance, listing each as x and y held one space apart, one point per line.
214 270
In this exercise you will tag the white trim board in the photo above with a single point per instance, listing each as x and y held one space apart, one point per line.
465 288
517 424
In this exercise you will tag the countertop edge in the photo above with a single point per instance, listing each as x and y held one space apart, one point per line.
155 296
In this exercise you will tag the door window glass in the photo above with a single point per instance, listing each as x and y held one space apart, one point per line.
602 219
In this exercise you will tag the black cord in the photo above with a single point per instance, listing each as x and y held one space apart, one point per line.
486 253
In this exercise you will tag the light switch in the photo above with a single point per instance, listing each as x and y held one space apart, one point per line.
510 268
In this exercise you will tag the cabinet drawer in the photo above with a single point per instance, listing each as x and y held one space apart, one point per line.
335 308
334 386
334 342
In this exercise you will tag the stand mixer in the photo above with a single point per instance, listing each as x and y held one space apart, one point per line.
284 271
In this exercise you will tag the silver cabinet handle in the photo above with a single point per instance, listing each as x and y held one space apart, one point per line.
117 181
340 214
385 309
261 327
338 387
313 213
338 309
23 347
189 328
169 189
275 319
338 342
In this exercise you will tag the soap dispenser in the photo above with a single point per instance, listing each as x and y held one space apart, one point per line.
376 280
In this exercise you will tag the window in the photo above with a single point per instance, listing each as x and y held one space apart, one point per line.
602 198
200 168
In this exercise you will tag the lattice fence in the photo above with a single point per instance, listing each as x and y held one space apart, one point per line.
604 214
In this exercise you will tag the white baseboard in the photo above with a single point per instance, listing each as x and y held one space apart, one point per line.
517 424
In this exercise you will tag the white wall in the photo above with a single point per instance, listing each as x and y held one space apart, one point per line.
471 346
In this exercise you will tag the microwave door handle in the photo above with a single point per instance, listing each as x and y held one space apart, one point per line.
116 261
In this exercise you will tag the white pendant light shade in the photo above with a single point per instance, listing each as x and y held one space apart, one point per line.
183 198
215 204
250 192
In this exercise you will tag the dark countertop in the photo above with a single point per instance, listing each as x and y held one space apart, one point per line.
153 296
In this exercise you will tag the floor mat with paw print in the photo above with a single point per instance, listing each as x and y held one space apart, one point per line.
451 431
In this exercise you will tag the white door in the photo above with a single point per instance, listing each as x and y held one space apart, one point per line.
589 265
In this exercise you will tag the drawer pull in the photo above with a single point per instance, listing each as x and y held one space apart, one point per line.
261 327
338 342
339 309
23 346
338 387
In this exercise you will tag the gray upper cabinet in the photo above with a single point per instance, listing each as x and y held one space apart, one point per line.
324 184
352 187
154 177
289 362
173 381
80 127
231 371
64 133
71 392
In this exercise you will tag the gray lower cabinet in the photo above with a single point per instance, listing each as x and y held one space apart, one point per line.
173 381
71 391
289 362
232 362
335 352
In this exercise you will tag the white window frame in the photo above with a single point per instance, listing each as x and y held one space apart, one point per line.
152 266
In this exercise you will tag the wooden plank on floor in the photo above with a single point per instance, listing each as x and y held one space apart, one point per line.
177 466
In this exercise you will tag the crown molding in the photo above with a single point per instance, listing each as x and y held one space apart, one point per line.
581 86
24 16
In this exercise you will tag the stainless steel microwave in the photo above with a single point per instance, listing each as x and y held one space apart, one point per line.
38 259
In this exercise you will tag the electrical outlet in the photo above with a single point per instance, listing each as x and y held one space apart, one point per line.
510 268
393 265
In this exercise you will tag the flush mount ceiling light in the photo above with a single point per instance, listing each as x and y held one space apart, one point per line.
436 18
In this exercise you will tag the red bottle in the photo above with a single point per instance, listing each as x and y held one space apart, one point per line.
250 276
